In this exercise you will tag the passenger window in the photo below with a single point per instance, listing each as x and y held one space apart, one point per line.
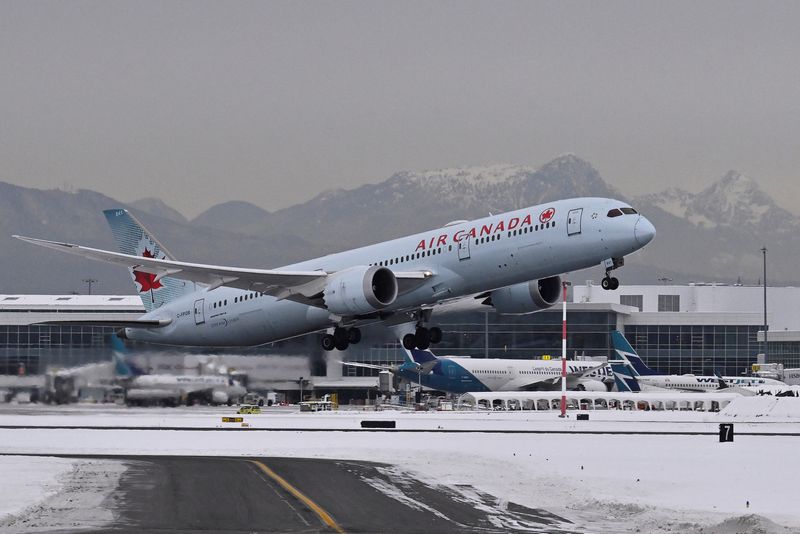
614 213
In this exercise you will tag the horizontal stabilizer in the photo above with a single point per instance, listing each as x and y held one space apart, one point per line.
117 323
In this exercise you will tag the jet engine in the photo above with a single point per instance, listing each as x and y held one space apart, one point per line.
527 297
360 290
219 397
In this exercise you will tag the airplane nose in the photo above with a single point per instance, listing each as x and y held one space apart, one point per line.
644 231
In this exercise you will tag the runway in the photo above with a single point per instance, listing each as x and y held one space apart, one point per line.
236 495
181 470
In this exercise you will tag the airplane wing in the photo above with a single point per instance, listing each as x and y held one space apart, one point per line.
389 368
294 285
117 323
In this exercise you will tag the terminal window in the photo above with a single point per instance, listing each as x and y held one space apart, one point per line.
637 301
669 303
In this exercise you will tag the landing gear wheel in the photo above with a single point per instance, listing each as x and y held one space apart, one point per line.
614 284
354 336
409 341
341 338
422 337
328 342
435 335
606 283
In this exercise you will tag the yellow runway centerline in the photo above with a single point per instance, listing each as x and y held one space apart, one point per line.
323 515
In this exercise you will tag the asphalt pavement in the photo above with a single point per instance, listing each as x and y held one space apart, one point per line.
276 495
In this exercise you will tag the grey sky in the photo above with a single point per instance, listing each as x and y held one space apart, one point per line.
272 102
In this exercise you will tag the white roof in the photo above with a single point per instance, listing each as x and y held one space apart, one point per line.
45 302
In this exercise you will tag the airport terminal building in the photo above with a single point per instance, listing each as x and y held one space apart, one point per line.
695 328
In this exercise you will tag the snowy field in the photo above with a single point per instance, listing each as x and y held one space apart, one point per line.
603 482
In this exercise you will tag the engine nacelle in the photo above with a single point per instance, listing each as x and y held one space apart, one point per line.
360 290
527 297
219 397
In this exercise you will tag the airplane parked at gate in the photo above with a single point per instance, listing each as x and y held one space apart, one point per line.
144 389
631 372
512 262
470 375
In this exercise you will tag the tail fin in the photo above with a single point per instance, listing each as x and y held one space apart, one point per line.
626 352
423 356
134 239
123 368
721 381
623 376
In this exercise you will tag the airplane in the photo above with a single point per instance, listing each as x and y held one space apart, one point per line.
142 388
511 261
630 368
453 374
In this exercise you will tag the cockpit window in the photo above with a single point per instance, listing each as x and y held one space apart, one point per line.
614 213
629 211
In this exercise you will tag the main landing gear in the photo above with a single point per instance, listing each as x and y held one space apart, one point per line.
422 338
609 282
341 338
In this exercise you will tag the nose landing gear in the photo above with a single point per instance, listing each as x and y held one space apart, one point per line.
609 282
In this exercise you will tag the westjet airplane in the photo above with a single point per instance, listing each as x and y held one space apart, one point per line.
471 375
512 262
142 388
630 369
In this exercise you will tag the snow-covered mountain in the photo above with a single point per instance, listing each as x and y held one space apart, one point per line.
416 201
734 200
714 235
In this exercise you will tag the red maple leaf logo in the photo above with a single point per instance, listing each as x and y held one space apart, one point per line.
146 280
546 215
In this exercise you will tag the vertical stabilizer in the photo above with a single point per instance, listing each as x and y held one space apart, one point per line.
623 376
134 239
626 352
123 368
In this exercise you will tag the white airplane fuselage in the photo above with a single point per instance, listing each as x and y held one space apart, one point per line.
462 375
703 383
463 259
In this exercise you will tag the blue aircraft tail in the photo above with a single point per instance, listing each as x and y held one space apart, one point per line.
135 240
123 367
626 352
623 376
423 356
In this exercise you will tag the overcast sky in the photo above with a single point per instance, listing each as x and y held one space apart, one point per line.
272 102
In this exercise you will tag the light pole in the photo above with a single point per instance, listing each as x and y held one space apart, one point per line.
89 281
301 389
564 285
766 326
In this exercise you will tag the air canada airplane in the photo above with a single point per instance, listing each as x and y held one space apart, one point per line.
511 261
467 375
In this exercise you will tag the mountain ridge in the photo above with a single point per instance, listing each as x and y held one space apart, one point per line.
719 230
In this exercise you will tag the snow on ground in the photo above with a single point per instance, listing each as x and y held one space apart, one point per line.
49 493
35 479
602 482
